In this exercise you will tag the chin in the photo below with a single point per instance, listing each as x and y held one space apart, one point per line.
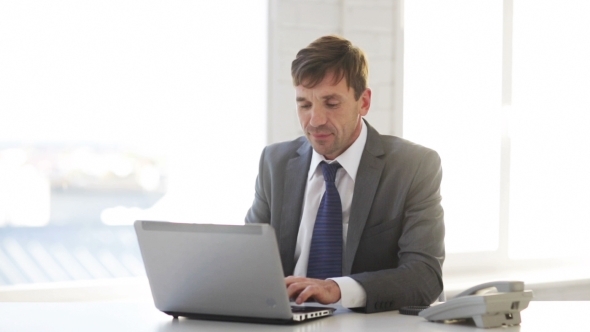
324 152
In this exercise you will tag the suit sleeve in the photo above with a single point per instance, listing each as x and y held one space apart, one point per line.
260 210
417 280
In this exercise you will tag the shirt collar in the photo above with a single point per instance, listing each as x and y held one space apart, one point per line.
349 159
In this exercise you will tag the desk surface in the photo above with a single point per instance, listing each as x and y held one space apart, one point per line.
142 316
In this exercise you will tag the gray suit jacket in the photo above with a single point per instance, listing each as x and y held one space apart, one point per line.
395 242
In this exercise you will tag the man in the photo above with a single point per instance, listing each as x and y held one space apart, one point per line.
385 194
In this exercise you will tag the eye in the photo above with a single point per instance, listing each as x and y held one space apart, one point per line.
304 106
332 102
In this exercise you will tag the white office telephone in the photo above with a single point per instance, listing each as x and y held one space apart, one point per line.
492 304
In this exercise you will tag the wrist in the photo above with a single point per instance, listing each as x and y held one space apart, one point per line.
334 290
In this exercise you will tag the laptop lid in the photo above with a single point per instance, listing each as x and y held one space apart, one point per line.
215 271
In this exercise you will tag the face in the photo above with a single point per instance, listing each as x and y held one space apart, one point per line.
330 116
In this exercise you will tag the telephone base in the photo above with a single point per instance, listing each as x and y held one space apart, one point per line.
497 320
486 310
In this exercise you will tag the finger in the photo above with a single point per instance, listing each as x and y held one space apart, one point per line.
295 288
311 291
291 279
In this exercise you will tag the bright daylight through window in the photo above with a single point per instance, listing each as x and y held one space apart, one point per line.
115 111
457 62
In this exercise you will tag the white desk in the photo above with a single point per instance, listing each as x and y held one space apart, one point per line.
142 316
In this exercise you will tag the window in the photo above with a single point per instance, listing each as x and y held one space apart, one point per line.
116 111
500 90
452 103
550 177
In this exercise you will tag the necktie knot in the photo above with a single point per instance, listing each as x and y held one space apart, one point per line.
330 170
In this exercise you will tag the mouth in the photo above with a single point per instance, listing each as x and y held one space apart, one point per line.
320 133
320 136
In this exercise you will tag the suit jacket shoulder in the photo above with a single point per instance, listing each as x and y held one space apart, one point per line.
280 153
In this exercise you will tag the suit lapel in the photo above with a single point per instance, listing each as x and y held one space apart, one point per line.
367 180
293 192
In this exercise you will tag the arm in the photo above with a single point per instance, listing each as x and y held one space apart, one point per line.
260 210
417 279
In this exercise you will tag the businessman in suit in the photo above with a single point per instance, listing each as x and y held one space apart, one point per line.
386 216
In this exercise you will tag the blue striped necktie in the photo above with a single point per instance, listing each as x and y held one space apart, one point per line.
325 252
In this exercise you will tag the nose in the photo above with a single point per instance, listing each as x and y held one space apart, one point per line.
318 116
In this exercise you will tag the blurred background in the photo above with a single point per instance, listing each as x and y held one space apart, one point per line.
115 111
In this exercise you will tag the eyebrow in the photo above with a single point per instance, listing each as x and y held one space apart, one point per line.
334 95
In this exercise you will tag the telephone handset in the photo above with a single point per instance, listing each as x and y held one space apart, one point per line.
491 304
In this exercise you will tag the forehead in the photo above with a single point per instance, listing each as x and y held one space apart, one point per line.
327 87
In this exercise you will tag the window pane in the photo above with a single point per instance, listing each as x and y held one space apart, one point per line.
452 99
114 111
550 173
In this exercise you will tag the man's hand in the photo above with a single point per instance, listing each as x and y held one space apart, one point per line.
323 291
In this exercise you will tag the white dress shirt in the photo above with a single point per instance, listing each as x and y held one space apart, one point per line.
352 293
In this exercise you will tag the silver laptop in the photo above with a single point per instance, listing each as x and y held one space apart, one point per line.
220 272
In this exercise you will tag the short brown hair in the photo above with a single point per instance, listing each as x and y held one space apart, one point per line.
331 54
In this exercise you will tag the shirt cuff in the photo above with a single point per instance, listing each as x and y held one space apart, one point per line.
352 294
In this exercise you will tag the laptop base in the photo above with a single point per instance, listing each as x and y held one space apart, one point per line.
309 313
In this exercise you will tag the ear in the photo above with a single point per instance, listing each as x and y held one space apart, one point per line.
365 100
